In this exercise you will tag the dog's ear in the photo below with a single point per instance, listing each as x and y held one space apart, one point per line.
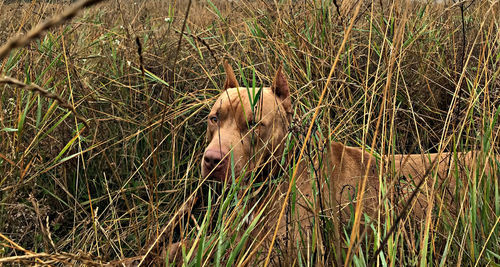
281 90
280 85
231 81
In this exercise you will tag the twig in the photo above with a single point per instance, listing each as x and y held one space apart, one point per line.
202 41
37 89
337 8
458 108
174 63
171 78
22 40
461 66
139 51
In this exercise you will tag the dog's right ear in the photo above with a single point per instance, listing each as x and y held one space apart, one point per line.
231 81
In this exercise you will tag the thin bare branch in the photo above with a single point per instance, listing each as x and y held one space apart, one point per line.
37 89
22 40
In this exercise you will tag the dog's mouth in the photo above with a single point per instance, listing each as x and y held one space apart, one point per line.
222 170
224 173
215 165
219 174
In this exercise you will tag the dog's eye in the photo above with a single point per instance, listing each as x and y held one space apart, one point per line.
213 119
252 124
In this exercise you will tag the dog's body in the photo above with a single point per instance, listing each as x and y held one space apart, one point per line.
247 129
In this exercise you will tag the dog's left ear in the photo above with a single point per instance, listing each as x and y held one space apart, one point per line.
280 85
281 90
231 81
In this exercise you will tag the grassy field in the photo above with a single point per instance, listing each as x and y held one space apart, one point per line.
101 160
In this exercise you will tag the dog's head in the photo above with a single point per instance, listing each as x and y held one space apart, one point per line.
246 127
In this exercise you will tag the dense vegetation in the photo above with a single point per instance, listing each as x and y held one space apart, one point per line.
121 171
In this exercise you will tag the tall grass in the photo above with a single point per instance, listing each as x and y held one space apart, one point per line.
414 77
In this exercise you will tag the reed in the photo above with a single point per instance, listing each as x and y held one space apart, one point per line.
408 77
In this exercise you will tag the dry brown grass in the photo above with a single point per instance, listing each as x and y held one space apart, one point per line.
106 193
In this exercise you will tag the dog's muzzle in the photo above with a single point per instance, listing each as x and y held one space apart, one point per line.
215 164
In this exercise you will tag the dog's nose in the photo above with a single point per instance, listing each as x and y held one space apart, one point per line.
213 158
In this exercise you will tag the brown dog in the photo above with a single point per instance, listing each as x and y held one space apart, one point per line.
246 133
